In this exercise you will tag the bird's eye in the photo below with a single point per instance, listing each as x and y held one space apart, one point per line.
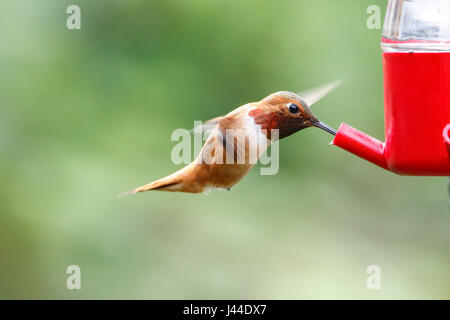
293 108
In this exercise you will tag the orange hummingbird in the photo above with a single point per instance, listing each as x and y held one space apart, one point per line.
258 124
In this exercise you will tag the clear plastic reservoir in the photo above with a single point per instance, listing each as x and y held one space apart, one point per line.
416 25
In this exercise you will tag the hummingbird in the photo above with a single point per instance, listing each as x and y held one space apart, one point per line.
282 112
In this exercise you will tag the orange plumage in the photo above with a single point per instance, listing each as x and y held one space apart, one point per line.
249 128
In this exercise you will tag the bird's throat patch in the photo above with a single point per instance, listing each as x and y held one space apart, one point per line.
276 120
266 120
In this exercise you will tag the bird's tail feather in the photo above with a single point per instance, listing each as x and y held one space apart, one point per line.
170 183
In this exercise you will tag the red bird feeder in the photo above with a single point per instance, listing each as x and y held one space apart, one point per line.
416 64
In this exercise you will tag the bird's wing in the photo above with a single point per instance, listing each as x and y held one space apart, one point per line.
234 138
241 137
313 95
208 126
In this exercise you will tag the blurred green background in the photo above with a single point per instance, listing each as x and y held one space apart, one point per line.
86 114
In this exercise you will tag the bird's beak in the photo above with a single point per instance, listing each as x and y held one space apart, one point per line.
323 126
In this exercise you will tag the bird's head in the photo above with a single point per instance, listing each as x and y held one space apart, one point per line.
287 112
